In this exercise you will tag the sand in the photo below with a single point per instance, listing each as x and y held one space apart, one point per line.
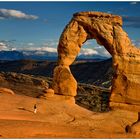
57 117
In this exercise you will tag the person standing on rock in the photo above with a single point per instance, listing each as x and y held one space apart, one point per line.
35 108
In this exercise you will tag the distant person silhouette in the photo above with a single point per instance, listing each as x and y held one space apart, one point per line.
35 108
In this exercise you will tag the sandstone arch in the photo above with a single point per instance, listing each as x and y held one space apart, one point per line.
107 30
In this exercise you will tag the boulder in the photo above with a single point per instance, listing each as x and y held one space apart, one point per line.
64 82
48 92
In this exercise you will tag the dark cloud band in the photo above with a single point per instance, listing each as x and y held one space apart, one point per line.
131 21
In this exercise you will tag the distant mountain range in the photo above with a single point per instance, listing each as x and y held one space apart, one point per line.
11 55
44 55
26 55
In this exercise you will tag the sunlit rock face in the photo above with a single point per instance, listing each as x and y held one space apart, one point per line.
64 82
108 32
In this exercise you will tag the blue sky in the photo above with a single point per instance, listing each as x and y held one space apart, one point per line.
38 25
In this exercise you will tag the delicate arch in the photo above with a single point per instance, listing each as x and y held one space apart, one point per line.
107 30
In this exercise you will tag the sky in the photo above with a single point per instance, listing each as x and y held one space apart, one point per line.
38 25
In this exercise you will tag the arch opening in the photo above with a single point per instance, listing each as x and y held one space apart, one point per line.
93 58
92 51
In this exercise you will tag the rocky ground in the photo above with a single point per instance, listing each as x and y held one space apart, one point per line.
59 117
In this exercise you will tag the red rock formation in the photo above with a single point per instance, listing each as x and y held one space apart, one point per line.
6 91
107 30
64 82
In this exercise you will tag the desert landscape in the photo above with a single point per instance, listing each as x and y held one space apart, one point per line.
70 97
59 117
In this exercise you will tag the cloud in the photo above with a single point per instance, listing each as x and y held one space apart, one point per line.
48 49
136 43
131 21
51 43
30 44
133 2
95 51
3 47
10 13
50 46
87 51
102 51
40 49
99 50
7 45
88 43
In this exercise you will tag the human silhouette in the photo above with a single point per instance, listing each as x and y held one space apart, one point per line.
35 108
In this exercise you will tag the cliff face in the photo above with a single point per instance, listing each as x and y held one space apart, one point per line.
107 30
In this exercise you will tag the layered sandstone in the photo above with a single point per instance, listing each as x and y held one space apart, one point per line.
108 32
